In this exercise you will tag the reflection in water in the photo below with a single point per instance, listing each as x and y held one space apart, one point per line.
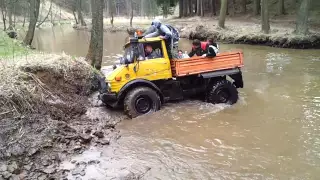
271 133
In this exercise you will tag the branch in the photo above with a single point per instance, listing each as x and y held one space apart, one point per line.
39 24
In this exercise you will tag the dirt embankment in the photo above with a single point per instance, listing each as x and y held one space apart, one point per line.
237 31
46 115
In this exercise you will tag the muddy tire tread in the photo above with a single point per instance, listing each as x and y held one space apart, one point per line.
130 96
220 83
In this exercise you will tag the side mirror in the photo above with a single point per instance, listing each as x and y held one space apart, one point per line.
126 61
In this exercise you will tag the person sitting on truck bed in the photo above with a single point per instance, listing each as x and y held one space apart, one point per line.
196 48
150 53
182 55
212 48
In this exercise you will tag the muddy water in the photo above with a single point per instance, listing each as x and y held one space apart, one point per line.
273 132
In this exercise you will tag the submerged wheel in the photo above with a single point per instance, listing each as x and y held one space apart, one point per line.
223 91
141 100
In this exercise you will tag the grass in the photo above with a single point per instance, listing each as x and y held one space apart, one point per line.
11 48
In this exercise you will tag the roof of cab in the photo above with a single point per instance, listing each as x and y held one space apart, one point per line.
146 40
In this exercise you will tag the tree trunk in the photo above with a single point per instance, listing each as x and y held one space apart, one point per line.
10 14
107 3
181 8
199 7
95 51
3 13
75 17
142 10
34 13
214 6
190 10
111 8
185 9
256 7
265 26
211 7
128 8
79 11
244 6
233 5
14 16
302 18
131 18
281 7
223 13
202 7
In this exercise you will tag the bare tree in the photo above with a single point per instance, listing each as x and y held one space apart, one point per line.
199 7
95 51
302 17
244 6
34 13
50 9
181 8
111 5
131 18
202 7
281 7
265 25
223 13
79 11
10 8
3 6
212 7
256 7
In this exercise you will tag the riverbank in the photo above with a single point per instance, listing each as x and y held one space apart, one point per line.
48 113
238 31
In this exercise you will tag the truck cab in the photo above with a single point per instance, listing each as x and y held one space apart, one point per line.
141 85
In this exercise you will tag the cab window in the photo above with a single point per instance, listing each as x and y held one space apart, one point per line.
153 50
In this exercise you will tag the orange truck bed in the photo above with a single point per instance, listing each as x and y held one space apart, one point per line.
196 65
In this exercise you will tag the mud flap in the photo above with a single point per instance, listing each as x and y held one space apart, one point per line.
238 81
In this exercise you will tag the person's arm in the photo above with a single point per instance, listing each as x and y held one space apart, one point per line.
154 34
167 32
191 53
150 30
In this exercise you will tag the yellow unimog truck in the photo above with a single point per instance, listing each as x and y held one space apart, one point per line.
142 85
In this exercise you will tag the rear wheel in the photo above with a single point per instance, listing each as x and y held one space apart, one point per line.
223 91
141 100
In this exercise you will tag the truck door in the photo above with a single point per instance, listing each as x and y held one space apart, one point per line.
156 64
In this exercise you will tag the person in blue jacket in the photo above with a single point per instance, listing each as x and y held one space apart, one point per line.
166 32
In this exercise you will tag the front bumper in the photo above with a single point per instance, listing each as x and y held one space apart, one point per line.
107 97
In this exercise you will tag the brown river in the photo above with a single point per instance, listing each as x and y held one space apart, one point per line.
273 132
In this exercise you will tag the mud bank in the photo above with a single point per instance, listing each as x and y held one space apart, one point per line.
48 112
234 33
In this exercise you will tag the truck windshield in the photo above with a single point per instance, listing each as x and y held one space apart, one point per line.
128 54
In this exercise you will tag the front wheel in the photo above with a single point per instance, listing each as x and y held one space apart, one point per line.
141 100
223 91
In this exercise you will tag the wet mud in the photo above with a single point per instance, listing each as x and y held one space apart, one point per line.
50 111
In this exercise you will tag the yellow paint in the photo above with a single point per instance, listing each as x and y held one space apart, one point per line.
152 69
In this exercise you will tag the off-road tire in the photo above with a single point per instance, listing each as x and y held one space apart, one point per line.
139 95
222 91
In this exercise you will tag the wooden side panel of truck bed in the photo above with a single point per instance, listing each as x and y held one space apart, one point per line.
196 65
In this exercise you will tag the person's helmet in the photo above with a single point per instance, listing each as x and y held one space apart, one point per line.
156 23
